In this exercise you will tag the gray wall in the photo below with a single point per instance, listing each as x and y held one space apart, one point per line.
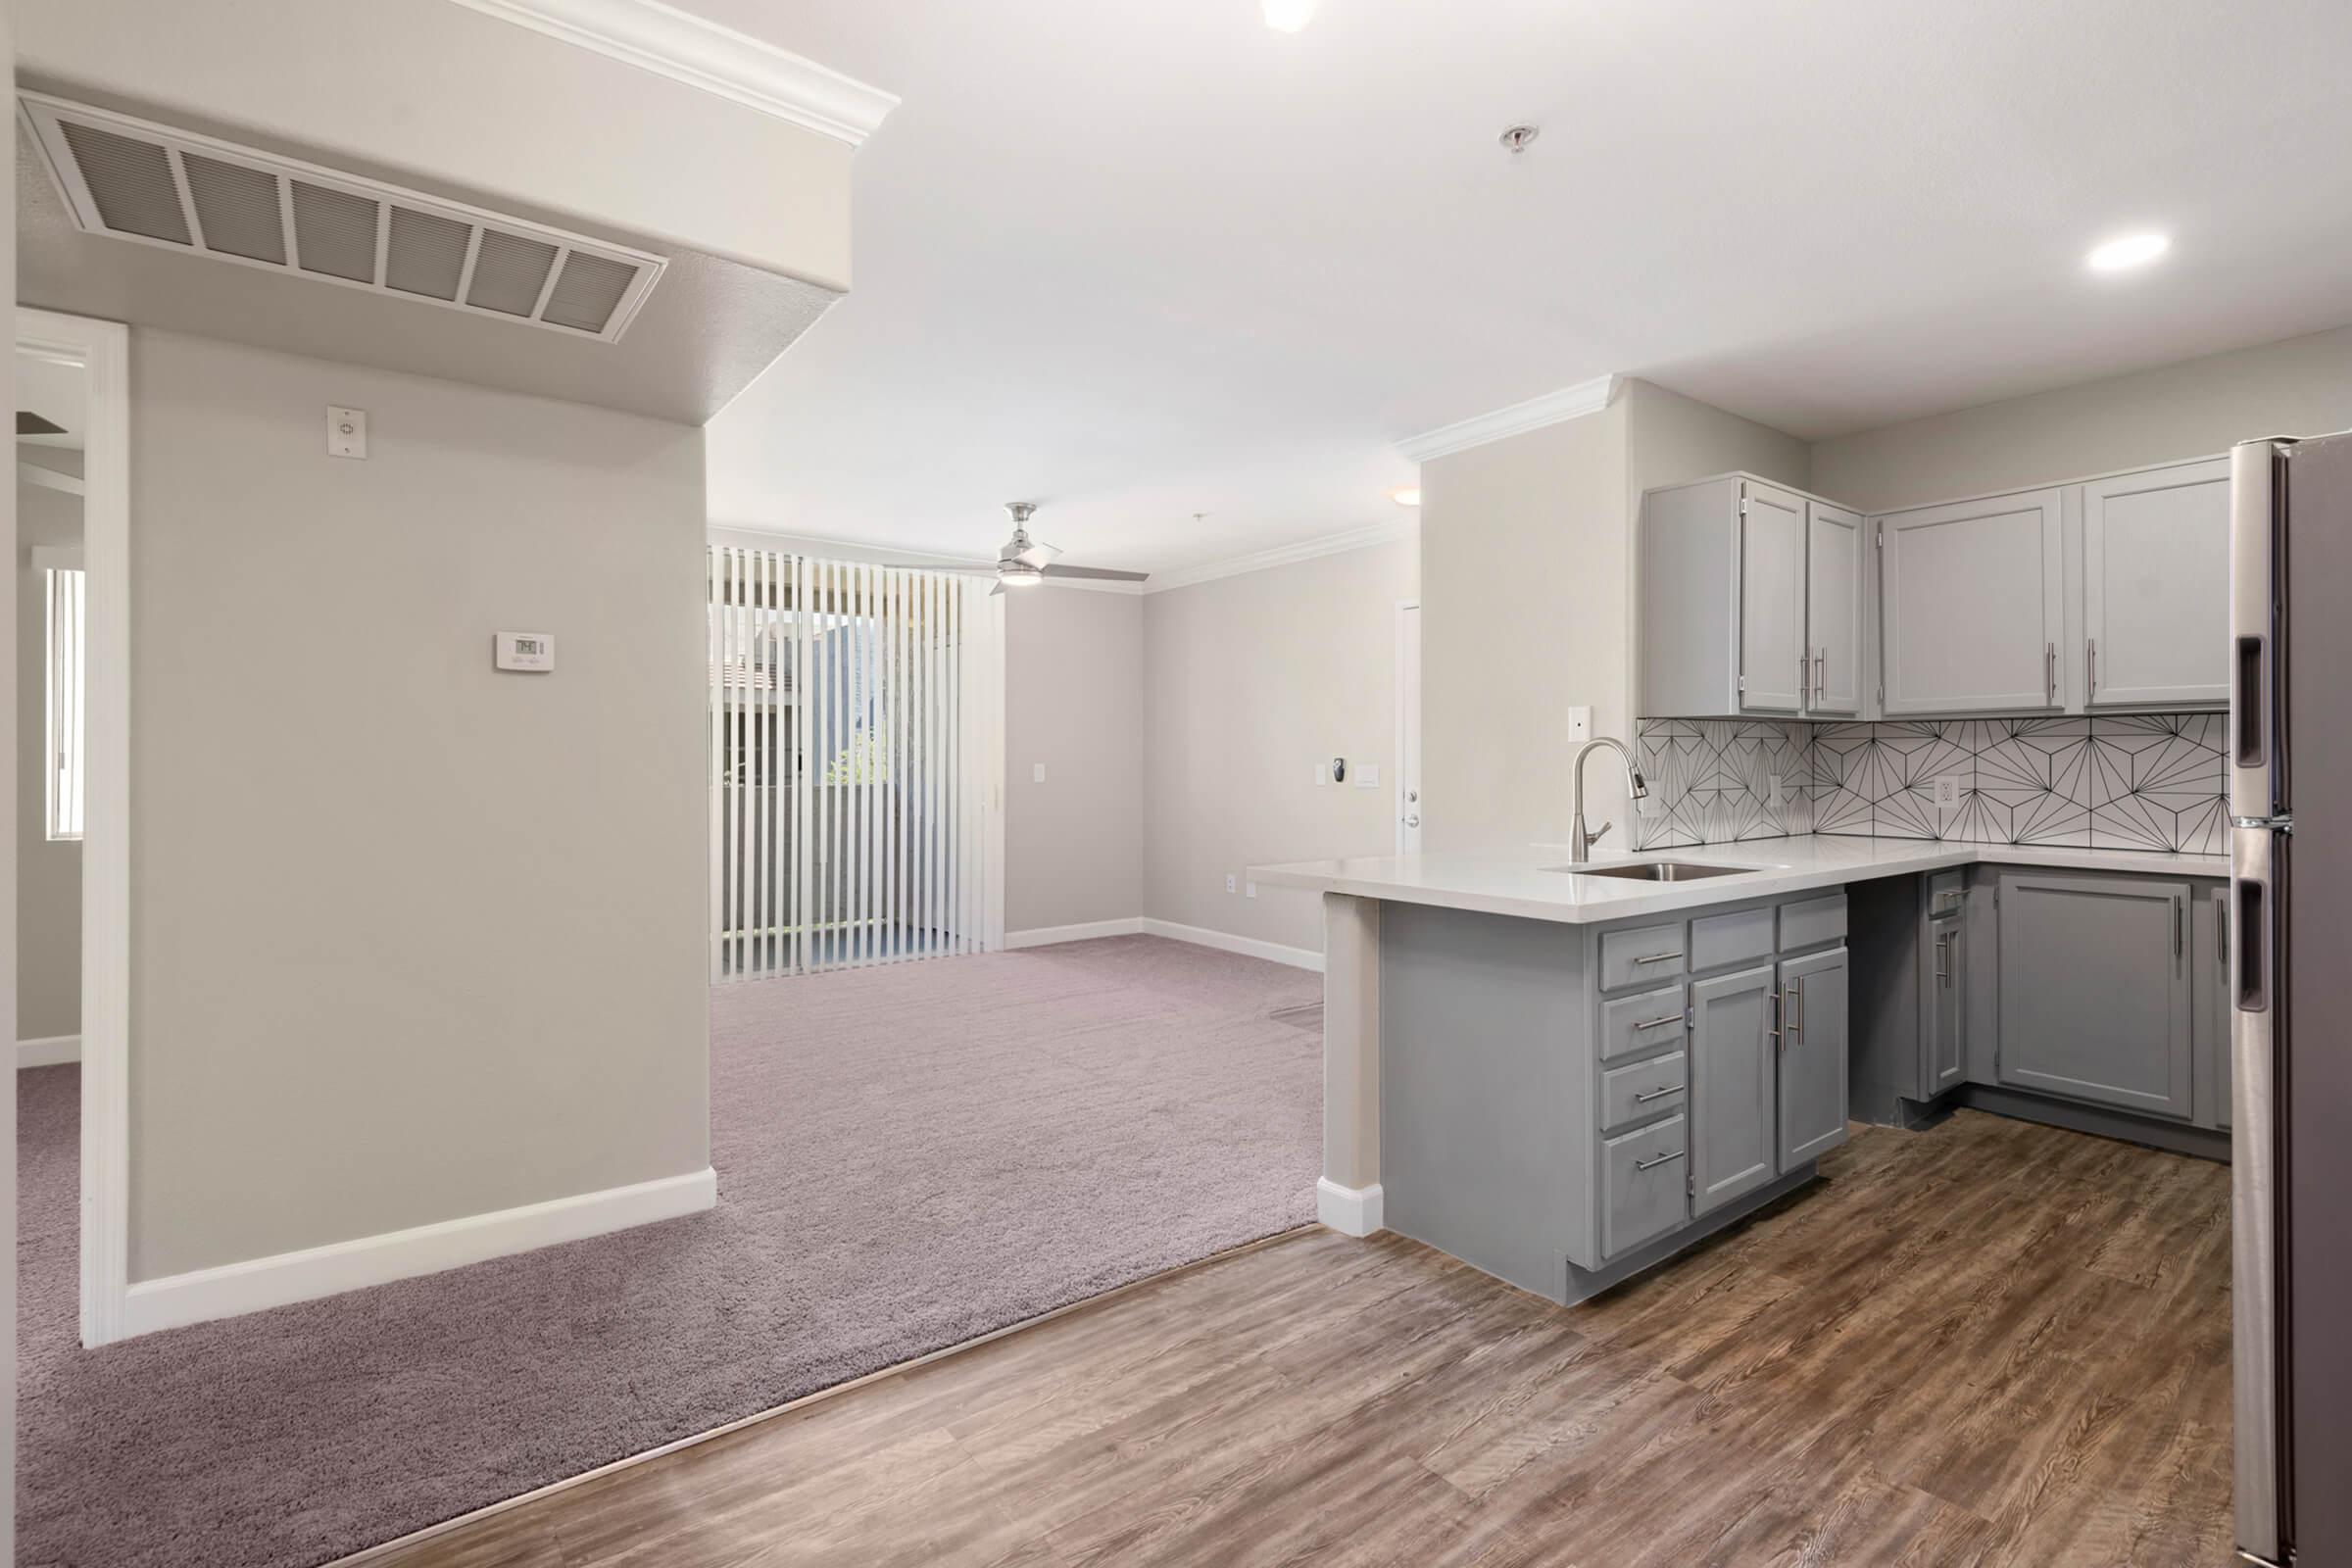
1073 701
412 938
1249 682
48 875
2302 386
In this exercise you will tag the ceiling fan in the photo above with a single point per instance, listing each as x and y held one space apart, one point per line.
1023 562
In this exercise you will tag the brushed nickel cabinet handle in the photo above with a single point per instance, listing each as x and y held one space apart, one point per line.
1659 1023
2049 673
1943 949
1657 1093
1645 1164
1821 677
1659 957
2090 648
1775 1030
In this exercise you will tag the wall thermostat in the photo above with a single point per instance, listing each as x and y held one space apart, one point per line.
533 650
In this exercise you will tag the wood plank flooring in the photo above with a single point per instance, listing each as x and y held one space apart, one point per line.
1988 1342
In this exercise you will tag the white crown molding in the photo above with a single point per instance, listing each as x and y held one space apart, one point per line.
1332 544
1568 403
702 54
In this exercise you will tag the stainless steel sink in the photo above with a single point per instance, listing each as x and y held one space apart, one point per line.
1654 870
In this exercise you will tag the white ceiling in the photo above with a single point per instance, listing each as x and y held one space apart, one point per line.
1138 262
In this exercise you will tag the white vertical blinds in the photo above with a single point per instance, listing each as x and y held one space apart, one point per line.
66 600
848 774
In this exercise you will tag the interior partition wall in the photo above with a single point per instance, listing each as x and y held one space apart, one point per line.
856 752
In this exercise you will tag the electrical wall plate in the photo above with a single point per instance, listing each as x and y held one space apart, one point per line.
532 651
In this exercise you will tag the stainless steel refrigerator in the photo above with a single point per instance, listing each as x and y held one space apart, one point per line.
2291 808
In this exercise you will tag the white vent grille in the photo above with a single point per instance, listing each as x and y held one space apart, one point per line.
144 182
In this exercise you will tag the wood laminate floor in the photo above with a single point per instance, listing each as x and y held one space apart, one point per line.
1986 1343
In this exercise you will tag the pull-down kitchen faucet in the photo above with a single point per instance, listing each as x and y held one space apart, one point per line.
1579 841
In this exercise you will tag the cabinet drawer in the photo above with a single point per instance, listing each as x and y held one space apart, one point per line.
1641 1022
1719 941
1641 956
1811 922
1646 1088
1644 1185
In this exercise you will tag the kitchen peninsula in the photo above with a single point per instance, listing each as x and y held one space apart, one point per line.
1565 1074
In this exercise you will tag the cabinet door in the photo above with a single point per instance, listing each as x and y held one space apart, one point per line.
1970 612
1814 1042
1942 1007
1834 608
1733 1081
2094 989
1774 666
2156 585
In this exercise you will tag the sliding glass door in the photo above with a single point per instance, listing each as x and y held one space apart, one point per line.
853 740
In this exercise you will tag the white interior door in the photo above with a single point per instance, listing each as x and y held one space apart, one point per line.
1408 728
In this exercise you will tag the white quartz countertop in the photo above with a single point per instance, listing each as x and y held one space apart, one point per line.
1521 884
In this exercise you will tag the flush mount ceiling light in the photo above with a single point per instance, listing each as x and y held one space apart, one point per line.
2130 251
1406 495
1288 15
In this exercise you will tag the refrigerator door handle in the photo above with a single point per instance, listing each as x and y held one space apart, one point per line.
2256 1343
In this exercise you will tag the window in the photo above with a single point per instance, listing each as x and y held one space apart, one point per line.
64 585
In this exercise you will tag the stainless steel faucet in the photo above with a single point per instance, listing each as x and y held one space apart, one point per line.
1579 841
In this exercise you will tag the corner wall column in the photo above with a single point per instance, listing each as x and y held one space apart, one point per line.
1349 1199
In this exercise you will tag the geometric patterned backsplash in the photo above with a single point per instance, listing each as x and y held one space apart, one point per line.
2144 781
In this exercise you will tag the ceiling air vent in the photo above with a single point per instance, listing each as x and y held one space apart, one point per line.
172 189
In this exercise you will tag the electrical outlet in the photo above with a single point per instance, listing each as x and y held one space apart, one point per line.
1229 881
1947 791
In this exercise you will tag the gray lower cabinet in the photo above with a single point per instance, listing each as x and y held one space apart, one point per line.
1733 1085
1943 992
1644 1178
1814 1043
2095 994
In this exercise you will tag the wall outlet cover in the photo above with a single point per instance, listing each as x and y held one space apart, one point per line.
1229 881
1580 725
1037 772
346 432
1947 791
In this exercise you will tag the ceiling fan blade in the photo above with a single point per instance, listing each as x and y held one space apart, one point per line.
1037 555
1103 572
31 424
998 592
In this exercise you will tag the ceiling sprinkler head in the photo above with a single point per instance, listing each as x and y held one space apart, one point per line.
1515 139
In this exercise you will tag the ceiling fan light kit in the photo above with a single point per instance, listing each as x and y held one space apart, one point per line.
1024 562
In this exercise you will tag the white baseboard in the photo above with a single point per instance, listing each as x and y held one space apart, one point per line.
265 1282
1349 1210
1226 942
51 1051
1045 936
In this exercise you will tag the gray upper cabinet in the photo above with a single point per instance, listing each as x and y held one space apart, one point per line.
2096 988
1775 665
1813 1051
1971 604
1833 556
2155 567
1751 602
1733 1085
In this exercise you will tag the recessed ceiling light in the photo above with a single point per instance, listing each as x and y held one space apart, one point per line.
2132 250
1288 15
1406 495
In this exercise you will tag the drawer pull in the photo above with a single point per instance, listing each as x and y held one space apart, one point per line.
1659 1023
1659 957
1657 1093
1645 1164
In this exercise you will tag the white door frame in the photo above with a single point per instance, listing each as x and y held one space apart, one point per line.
1408 768
102 351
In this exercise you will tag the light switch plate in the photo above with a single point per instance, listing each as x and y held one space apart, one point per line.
1248 890
532 651
1037 772
1364 775
1580 725
346 432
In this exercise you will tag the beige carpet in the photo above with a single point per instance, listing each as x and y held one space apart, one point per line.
907 1157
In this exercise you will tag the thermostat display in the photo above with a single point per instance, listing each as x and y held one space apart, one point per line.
533 650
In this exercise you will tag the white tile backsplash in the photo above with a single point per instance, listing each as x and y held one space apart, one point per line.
2148 781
